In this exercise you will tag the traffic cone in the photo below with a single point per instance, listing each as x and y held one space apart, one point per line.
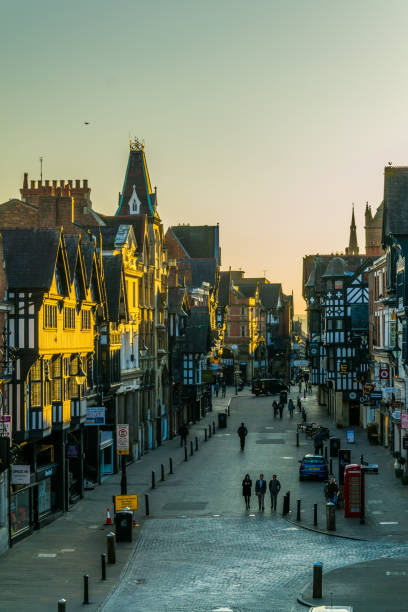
108 517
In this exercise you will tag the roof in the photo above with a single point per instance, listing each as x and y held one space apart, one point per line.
72 242
138 223
175 298
197 338
202 271
88 250
30 257
270 294
199 241
337 267
136 178
112 266
395 219
224 289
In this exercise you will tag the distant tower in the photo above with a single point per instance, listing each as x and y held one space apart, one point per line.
352 248
373 230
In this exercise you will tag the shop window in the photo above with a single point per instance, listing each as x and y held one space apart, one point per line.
44 496
69 318
50 316
19 511
73 388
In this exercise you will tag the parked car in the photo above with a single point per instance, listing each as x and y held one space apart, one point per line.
268 386
313 466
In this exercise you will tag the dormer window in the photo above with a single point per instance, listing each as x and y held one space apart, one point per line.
134 203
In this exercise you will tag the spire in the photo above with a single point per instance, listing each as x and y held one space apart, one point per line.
137 182
352 248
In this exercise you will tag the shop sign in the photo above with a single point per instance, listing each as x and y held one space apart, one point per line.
350 436
20 474
404 420
389 389
5 426
126 501
375 395
397 404
122 439
368 388
72 451
301 363
95 416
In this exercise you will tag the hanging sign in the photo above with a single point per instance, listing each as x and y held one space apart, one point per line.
5 426
122 439
95 416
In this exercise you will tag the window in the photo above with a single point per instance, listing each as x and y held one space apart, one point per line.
242 310
134 294
50 316
188 370
243 330
339 323
329 324
35 386
69 318
86 319
56 380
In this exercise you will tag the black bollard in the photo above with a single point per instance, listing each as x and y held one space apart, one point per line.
315 515
162 472
205 435
288 494
317 580
111 546
185 453
147 508
153 480
209 431
196 443
86 589
285 509
191 448
228 410
330 517
325 452
297 438
62 605
103 566
331 466
213 427
298 510
171 464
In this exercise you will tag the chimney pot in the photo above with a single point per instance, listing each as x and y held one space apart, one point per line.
32 184
47 183
54 183
62 183
85 183
70 183
77 184
25 182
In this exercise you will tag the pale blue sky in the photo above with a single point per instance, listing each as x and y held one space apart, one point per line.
270 117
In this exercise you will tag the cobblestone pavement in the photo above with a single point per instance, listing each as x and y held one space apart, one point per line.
247 564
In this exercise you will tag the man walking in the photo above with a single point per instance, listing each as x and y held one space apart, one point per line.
242 432
260 490
183 434
274 488
280 409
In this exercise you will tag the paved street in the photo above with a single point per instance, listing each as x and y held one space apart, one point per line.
200 549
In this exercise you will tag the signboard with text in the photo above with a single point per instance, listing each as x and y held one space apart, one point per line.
126 501
122 439
95 416
5 426
20 474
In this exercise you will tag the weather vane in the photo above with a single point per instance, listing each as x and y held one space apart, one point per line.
136 144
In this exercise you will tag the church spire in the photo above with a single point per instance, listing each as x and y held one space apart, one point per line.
352 248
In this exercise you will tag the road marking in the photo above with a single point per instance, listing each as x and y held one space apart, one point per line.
389 523
269 428
64 550
216 514
47 555
286 457
377 512
252 515
291 529
93 526
395 573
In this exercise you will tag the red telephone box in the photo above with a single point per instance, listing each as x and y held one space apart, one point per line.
353 490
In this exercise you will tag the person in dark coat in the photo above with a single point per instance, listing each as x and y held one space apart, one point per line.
183 431
260 490
280 409
299 404
291 408
246 490
332 491
304 415
318 444
274 488
275 408
242 432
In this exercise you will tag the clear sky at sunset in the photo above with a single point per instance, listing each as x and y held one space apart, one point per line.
269 117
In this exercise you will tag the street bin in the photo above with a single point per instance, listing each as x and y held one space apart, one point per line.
334 447
124 525
222 419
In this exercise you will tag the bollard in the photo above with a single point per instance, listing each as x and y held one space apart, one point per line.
209 431
228 410
315 515
62 605
191 448
147 509
317 580
331 466
86 589
103 566
285 509
325 452
361 459
162 472
111 545
213 428
297 438
205 435
185 453
153 480
298 510
171 464
196 441
288 494
330 517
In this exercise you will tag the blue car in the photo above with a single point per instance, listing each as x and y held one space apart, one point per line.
313 466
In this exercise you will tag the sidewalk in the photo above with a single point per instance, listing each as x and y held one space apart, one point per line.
386 497
51 563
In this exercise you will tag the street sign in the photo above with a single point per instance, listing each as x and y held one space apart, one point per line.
126 501
20 474
376 395
384 373
389 389
122 439
5 426
301 363
95 416
404 420
343 368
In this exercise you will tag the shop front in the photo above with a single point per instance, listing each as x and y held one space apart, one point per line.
4 511
106 456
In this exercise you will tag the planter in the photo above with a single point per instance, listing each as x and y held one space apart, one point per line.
398 472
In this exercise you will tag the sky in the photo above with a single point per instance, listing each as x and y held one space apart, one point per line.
270 117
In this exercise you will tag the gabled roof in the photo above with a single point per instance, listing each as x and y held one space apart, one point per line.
72 242
199 241
269 294
136 179
178 299
88 250
138 222
113 272
224 289
203 271
31 256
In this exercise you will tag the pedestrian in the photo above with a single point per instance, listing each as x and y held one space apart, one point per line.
318 444
242 432
275 409
291 408
280 410
274 488
217 387
183 431
246 490
300 386
224 388
299 403
310 387
304 415
332 491
260 490
304 391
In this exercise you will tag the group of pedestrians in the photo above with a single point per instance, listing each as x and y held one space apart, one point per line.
220 385
260 491
279 407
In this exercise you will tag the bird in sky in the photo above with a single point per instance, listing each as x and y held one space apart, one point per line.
86 122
